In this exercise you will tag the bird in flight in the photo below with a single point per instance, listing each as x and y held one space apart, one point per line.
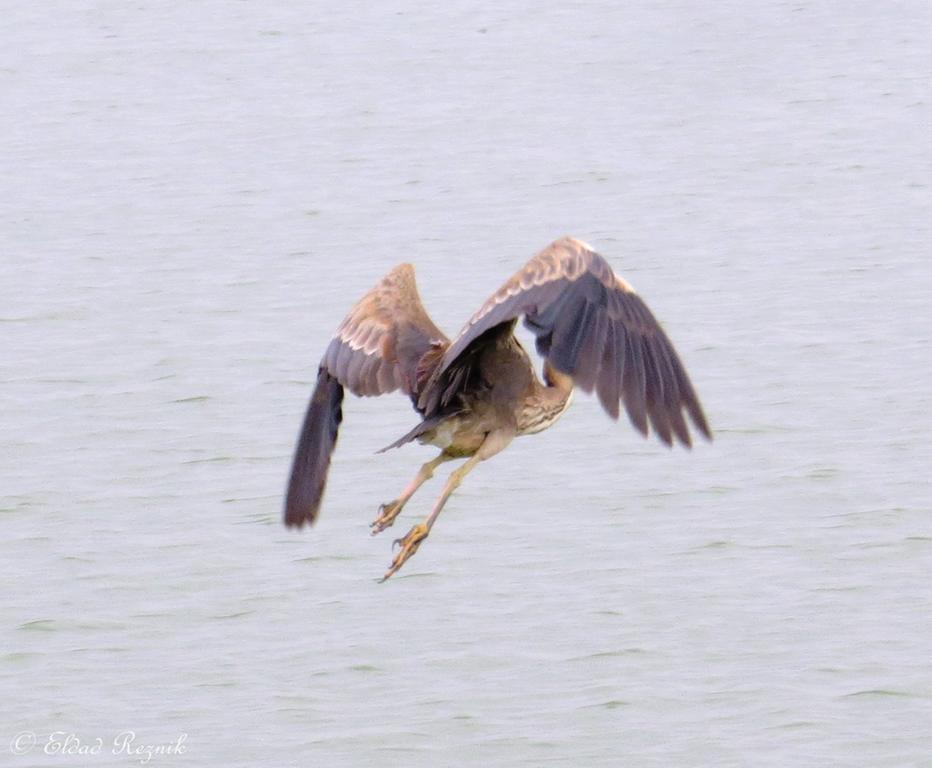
477 392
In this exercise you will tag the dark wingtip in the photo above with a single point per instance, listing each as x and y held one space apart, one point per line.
699 420
638 421
312 454
297 515
681 431
298 523
685 436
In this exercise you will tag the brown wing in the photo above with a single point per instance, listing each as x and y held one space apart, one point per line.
379 345
386 342
590 324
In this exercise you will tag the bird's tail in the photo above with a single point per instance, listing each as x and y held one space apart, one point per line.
420 429
315 447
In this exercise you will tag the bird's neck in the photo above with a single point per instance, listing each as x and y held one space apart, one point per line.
557 382
545 404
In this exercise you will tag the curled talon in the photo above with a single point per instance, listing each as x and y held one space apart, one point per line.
409 545
387 514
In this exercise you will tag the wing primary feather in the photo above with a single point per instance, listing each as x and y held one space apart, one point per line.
694 408
634 384
608 384
312 455
678 424
688 398
589 362
653 380
666 360
622 358
656 406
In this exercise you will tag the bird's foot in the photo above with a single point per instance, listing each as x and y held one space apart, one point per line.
409 544
387 514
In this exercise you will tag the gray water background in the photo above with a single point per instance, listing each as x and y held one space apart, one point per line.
193 194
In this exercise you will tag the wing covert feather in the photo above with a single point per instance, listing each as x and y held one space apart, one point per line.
379 344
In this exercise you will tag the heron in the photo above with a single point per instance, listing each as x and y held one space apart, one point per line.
476 392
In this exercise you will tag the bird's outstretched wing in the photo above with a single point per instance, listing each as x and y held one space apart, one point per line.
590 324
387 342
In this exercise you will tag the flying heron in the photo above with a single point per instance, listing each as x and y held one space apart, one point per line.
477 392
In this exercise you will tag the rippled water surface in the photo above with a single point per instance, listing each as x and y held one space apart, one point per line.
193 195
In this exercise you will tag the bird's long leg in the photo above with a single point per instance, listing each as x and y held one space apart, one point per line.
409 543
390 510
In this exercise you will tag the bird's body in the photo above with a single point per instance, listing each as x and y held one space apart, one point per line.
478 392
507 396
